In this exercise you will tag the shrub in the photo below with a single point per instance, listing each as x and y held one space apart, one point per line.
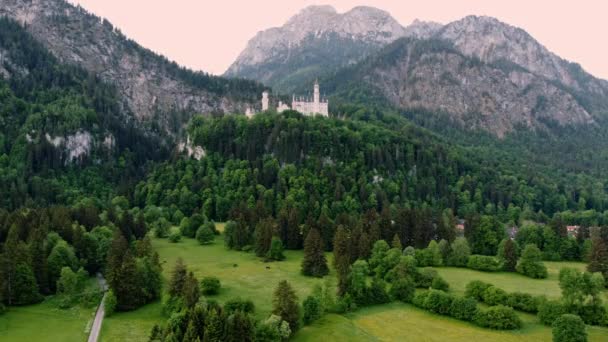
238 304
439 283
110 304
438 302
425 277
175 236
524 301
498 317
312 309
530 264
376 293
345 304
494 296
204 235
484 263
592 314
569 328
2 309
463 308
403 290
420 298
460 252
210 285
276 250
409 250
550 311
475 289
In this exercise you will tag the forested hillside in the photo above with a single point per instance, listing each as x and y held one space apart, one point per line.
334 166
63 134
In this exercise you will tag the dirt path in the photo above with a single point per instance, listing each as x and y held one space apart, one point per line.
96 328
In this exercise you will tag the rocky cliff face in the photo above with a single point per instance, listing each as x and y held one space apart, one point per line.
152 89
493 41
316 41
433 75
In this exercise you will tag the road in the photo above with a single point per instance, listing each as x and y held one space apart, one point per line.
96 328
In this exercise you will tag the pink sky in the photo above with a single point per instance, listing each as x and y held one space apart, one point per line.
209 34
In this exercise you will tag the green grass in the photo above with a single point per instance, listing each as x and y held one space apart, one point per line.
401 322
510 282
45 322
250 279
134 326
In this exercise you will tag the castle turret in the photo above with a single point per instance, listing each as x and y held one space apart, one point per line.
265 101
317 96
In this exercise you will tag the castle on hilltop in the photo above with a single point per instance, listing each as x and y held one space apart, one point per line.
305 105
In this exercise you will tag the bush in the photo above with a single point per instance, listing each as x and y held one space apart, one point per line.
424 278
175 236
498 317
569 328
475 289
345 304
439 283
238 304
312 309
484 263
460 252
210 286
409 250
110 304
276 250
204 235
438 302
590 314
550 311
530 264
495 296
463 308
524 302
420 298
376 293
2 309
403 290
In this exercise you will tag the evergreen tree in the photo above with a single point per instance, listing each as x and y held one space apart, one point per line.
314 262
239 328
285 305
342 258
127 290
263 236
364 246
598 257
214 326
276 250
178 278
190 291
17 282
190 335
397 243
507 253
39 260
118 248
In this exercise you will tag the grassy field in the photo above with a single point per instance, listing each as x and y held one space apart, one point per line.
247 276
249 279
45 322
510 282
401 322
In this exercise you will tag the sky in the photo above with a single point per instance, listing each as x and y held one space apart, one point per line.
208 35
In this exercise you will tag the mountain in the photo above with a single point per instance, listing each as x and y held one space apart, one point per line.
156 92
317 41
480 72
432 75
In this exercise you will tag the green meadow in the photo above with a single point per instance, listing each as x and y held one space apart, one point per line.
46 322
246 276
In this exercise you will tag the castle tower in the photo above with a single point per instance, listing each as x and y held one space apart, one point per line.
317 95
265 101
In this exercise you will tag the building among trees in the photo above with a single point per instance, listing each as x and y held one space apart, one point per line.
315 105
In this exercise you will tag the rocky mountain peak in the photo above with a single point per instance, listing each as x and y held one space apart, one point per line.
422 29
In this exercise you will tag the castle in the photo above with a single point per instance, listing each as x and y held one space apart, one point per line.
305 105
